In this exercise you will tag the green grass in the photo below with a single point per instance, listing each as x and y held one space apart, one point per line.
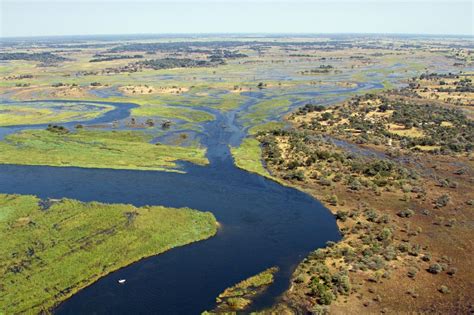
248 156
271 125
407 66
42 113
387 85
95 149
259 113
231 101
239 296
261 279
48 255
150 109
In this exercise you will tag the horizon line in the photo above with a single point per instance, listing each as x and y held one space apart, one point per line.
234 33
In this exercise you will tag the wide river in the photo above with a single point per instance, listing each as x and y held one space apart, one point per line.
263 224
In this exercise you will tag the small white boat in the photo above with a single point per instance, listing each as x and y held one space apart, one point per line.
122 281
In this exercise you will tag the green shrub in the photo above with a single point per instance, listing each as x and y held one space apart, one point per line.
412 272
435 268
371 215
341 215
442 201
341 283
444 289
426 257
333 200
385 234
407 213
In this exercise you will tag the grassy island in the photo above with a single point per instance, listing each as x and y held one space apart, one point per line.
43 112
240 296
94 149
53 248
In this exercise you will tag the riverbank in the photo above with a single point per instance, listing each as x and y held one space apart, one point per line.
405 221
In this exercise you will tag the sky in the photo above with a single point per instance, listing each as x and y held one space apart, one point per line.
90 17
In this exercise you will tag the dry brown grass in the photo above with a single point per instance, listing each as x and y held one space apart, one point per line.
146 89
400 130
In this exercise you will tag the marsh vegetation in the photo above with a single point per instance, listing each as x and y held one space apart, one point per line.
95 149
53 248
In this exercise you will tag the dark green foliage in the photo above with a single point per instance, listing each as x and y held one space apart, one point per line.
308 108
101 57
169 63
354 184
325 295
385 234
326 286
326 116
46 58
371 215
341 283
390 253
427 118
58 129
297 175
219 48
308 151
341 215
426 257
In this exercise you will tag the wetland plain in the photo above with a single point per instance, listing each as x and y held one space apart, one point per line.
286 174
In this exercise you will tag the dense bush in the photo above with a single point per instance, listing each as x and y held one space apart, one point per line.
57 129
407 213
167 63
428 118
435 268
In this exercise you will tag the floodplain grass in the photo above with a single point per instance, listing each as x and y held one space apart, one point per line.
248 156
260 112
271 125
43 113
230 101
239 296
49 253
152 109
95 149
